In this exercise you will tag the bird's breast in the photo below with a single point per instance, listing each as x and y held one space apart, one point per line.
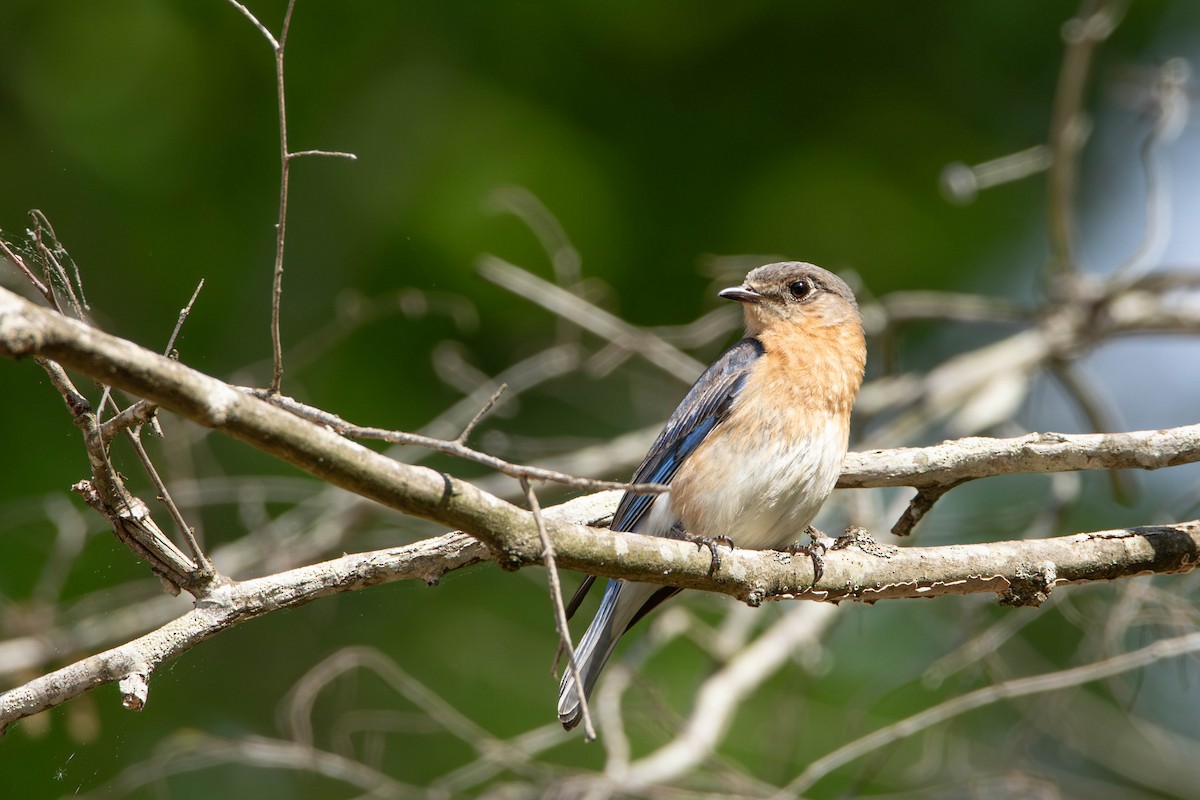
760 478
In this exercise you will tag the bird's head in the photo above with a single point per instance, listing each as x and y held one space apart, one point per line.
794 292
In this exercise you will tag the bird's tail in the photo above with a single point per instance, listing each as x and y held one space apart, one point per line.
622 605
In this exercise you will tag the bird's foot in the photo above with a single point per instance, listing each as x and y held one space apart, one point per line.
711 543
815 550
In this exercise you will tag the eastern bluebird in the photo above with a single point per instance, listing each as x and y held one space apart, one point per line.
753 450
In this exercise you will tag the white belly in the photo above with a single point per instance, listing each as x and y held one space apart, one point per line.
761 493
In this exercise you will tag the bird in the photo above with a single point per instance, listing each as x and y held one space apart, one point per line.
751 452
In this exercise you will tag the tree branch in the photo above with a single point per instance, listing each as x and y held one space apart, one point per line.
857 568
967 459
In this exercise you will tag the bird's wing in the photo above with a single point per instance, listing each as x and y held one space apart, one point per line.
706 404
704 407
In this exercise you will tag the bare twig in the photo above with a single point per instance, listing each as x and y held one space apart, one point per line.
241 601
1170 111
353 310
520 377
704 330
52 255
106 493
183 315
193 751
556 601
1020 687
445 716
281 226
279 46
205 570
453 447
899 307
720 697
322 154
919 506
979 457
140 413
132 523
204 567
20 264
488 406
962 183
528 207
1091 25
270 37
594 319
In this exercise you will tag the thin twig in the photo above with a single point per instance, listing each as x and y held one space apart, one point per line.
704 330
529 208
305 694
449 447
899 307
204 570
720 698
107 494
280 227
323 153
130 521
20 264
56 273
488 406
1020 687
1171 110
919 506
183 315
962 183
192 751
586 315
560 613
883 318
354 310
279 46
1091 25
254 21
536 369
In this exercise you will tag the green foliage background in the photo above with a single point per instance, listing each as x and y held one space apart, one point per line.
658 133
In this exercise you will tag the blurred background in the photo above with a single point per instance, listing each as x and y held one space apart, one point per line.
644 156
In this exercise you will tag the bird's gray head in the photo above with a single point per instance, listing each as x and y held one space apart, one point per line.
794 292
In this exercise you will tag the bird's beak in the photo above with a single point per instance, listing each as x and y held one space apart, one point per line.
743 294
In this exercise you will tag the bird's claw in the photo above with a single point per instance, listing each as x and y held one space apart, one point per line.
815 550
711 543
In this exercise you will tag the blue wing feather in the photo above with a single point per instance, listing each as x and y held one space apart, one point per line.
704 407
701 410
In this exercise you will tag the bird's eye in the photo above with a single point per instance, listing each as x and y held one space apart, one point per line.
799 289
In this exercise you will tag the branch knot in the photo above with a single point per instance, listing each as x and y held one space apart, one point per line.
1030 585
